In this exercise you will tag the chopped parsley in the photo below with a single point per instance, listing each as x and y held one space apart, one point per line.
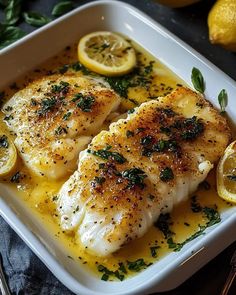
106 154
146 140
163 224
8 108
137 265
153 251
135 177
66 116
119 84
47 105
150 146
107 273
8 118
60 130
99 180
131 111
4 141
192 127
166 174
122 267
85 102
129 133
77 66
140 77
62 87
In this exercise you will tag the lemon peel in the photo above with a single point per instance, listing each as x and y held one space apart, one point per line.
8 155
106 53
226 174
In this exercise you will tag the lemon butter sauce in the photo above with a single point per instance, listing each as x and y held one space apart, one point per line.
149 80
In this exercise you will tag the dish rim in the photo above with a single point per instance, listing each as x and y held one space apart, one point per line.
24 232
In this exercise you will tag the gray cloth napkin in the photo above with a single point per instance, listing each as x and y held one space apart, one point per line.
25 273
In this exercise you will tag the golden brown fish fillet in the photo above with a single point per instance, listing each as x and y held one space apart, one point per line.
140 168
54 118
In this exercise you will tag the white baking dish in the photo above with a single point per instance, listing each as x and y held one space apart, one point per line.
35 48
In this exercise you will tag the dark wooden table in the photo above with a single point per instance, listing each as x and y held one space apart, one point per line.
190 24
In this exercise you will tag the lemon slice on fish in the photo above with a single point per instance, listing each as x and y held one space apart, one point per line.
8 155
226 174
106 53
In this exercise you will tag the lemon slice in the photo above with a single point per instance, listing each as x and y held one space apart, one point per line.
226 174
8 155
106 53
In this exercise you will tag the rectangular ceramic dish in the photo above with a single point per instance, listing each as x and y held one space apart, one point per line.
35 48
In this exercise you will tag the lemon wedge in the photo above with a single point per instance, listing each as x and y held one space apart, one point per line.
8 155
226 174
106 53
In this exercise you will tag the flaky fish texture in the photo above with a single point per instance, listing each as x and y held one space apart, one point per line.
141 167
54 118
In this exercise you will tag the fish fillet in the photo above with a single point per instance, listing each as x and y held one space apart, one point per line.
54 118
143 166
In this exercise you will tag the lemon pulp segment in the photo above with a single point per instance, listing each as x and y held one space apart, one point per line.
106 53
226 174
8 155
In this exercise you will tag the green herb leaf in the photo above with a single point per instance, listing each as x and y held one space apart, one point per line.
212 215
106 154
62 7
135 176
198 80
86 103
153 251
137 265
12 12
122 267
66 116
129 133
60 130
9 35
47 105
163 224
99 179
223 100
35 19
166 174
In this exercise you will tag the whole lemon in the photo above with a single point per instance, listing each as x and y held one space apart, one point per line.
177 3
222 24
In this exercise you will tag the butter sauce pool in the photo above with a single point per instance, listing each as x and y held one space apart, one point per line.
150 80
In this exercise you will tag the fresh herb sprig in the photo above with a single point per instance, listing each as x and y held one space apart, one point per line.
14 13
106 154
164 222
35 19
62 7
223 100
198 80
9 34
